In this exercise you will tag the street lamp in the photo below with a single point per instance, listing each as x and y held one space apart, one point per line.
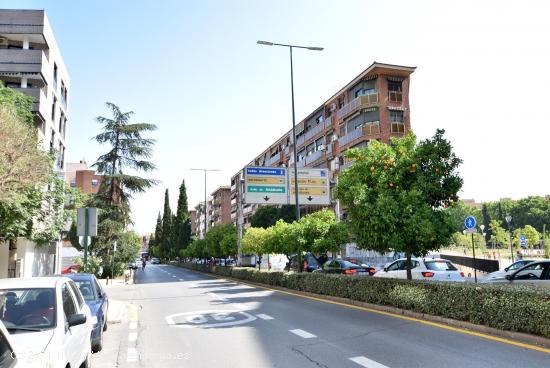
482 227
205 206
508 219
295 154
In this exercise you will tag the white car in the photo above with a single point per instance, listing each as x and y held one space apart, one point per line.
422 269
534 273
8 359
48 321
500 274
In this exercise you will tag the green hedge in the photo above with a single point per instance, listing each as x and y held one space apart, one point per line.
515 308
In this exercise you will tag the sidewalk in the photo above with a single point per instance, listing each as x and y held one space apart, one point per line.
117 281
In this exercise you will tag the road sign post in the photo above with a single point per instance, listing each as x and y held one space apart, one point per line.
470 224
86 225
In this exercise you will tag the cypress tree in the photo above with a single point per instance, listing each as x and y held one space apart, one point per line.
158 230
182 225
166 226
486 222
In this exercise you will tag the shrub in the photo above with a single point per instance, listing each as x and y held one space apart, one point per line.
521 309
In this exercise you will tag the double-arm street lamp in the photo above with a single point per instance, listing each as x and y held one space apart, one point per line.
295 155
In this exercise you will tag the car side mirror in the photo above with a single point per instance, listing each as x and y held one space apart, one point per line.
385 269
509 277
77 319
506 269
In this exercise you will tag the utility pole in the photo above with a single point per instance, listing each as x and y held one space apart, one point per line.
240 220
205 197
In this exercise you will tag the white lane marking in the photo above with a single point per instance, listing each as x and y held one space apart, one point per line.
132 336
133 325
174 276
241 306
180 279
220 298
303 334
265 317
366 362
132 355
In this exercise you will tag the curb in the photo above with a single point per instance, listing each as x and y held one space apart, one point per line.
520 337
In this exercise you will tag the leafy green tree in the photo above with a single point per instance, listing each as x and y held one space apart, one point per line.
395 194
533 211
458 211
336 236
499 235
214 240
254 240
486 221
264 217
182 222
128 246
157 238
166 239
228 243
531 234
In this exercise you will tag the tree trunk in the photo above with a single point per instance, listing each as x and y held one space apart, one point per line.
409 264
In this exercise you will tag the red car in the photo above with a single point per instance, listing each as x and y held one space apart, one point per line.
71 269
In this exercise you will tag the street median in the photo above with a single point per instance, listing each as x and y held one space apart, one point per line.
514 309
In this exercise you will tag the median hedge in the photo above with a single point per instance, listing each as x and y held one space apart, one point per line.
520 309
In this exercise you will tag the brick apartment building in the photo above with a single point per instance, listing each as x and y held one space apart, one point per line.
373 106
79 175
220 208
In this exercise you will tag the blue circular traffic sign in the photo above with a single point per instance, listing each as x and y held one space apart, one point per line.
470 222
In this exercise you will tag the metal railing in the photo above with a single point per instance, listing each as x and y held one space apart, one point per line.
359 102
348 138
274 159
314 156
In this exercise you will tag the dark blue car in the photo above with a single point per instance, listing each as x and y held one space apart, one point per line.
96 298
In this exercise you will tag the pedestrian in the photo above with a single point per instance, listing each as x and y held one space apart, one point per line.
518 255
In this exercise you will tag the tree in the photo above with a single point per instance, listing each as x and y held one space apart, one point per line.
458 212
486 221
129 150
157 239
531 235
395 194
499 235
182 222
254 240
166 241
264 217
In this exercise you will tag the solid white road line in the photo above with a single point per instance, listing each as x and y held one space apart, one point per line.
132 336
265 317
302 333
132 355
366 362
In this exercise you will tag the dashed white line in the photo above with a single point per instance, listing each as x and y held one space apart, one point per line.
133 325
180 279
132 336
132 355
303 334
215 296
265 317
366 362
174 276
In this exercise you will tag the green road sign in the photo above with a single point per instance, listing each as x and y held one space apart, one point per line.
265 189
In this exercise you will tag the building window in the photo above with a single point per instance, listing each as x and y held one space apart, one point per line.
52 141
55 76
73 183
94 183
53 107
397 124
395 91
320 119
396 116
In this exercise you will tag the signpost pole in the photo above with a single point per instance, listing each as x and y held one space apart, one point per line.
474 253
86 226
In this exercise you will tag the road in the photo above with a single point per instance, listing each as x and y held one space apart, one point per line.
178 318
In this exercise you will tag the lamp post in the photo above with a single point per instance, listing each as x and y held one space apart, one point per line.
508 219
295 153
482 227
205 206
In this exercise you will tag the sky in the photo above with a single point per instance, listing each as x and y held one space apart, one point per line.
194 69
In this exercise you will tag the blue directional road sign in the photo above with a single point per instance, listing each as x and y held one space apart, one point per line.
523 240
470 222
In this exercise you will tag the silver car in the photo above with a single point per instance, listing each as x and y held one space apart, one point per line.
535 273
508 270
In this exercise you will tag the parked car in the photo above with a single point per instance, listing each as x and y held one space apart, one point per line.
70 269
340 266
8 358
371 269
309 263
98 302
534 273
48 321
422 269
508 270
155 260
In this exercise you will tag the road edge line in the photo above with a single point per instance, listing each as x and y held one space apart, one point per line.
524 340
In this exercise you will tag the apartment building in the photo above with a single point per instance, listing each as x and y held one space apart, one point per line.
373 106
220 208
79 175
193 220
198 223
31 63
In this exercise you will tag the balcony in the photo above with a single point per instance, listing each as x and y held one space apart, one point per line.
301 163
39 105
17 61
314 156
358 103
274 160
312 133
395 96
367 130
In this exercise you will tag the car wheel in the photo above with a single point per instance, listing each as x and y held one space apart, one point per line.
96 348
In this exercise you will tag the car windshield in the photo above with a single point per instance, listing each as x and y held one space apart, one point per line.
346 264
29 308
440 266
86 289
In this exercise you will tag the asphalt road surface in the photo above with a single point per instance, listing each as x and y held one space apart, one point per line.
174 317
